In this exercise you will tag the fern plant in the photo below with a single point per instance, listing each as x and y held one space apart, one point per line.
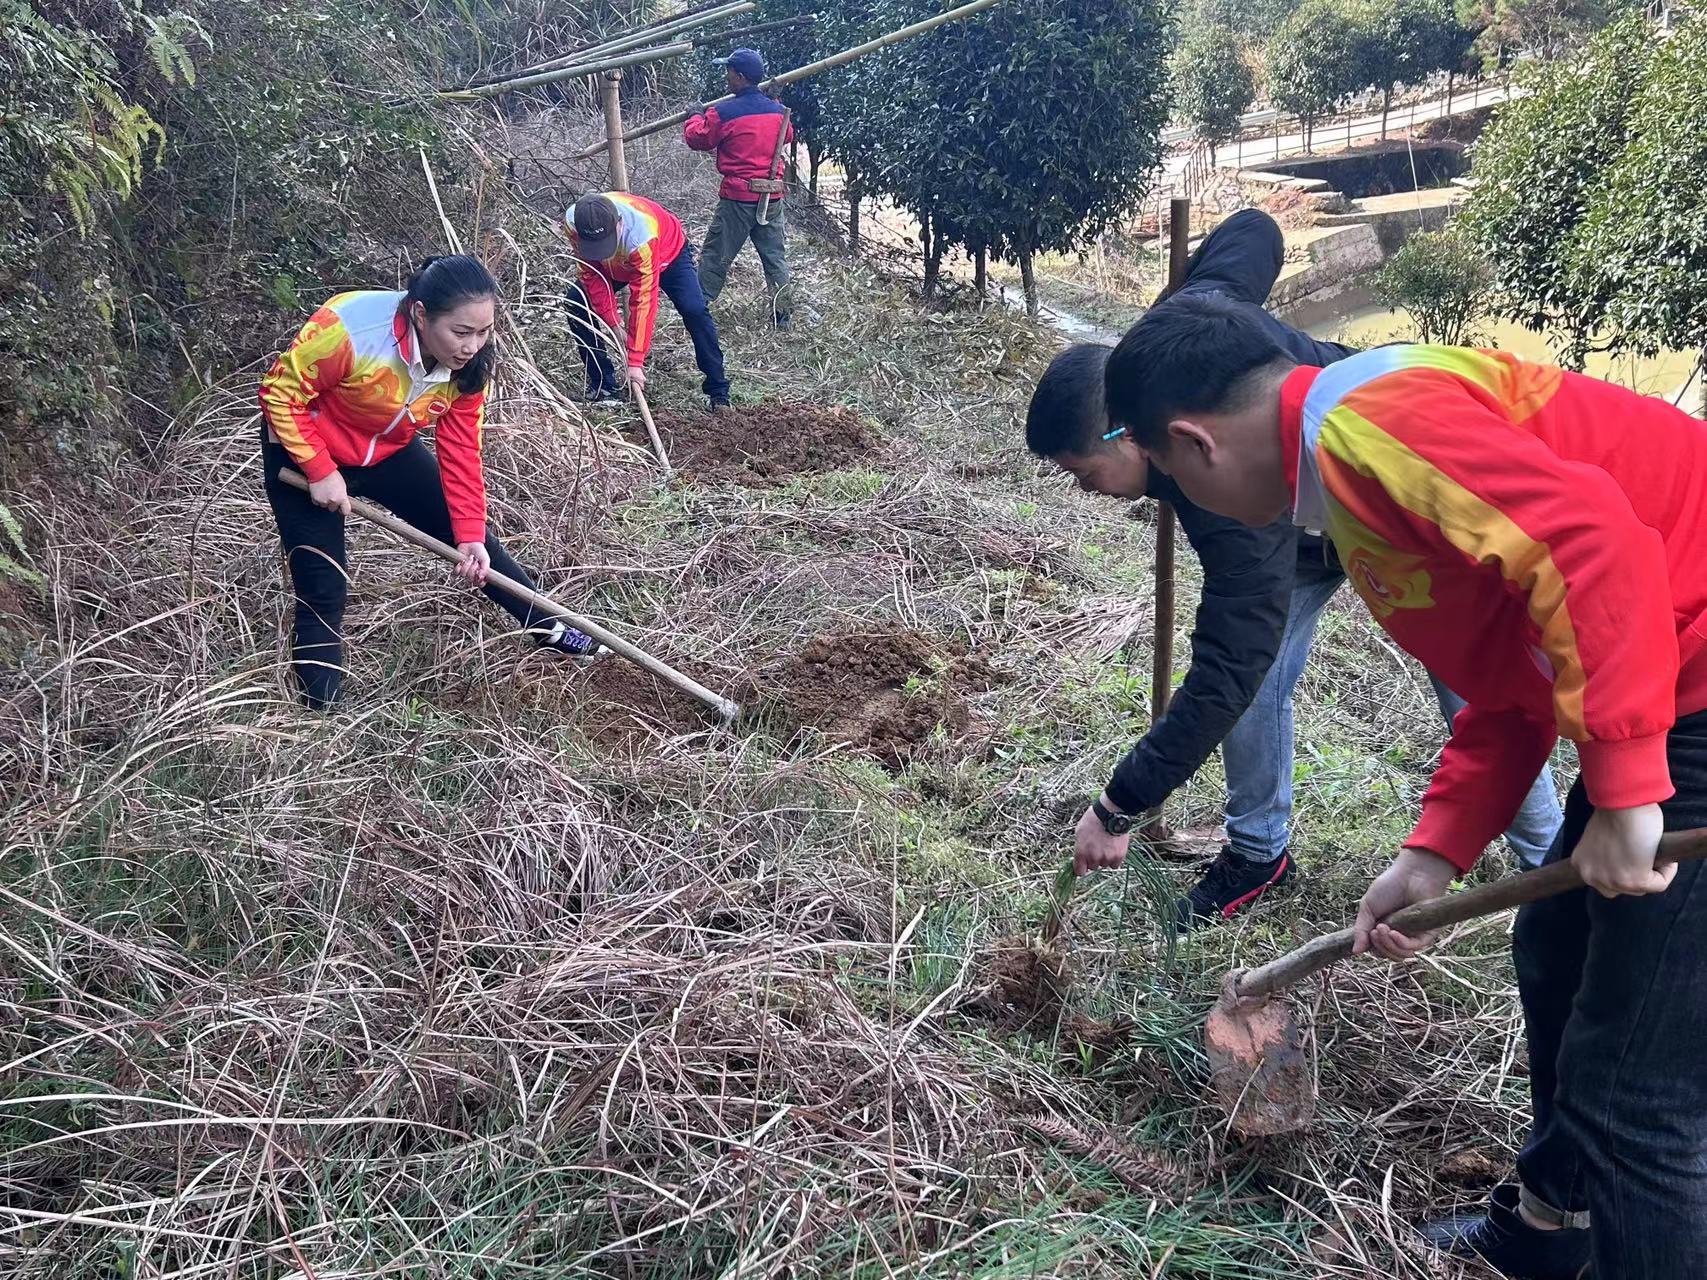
66 108
14 555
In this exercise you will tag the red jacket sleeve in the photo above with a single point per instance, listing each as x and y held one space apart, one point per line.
703 132
1562 533
642 302
318 359
600 296
459 436
1485 771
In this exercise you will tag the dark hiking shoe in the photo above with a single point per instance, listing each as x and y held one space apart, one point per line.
783 320
565 639
1502 1239
719 404
1230 884
605 398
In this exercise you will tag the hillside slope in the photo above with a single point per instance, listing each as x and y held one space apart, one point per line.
512 968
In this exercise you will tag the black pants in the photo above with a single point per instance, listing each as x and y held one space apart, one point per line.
680 284
1615 1005
407 483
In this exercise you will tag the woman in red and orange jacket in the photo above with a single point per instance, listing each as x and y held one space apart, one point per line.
342 405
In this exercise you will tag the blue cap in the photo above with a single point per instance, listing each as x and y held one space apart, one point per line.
746 62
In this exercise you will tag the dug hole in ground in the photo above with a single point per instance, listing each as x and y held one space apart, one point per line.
512 967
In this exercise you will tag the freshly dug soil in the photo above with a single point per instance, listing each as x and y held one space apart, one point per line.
763 445
1026 984
883 693
620 702
1029 978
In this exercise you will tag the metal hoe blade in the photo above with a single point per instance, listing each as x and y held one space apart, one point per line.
1257 1065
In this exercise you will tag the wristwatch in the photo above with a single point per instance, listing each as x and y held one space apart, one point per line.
1116 824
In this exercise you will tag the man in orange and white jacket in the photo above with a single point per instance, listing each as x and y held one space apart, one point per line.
1538 539
624 241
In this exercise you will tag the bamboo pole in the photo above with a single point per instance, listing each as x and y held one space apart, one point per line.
652 432
741 33
1162 668
610 95
724 707
800 73
650 33
636 59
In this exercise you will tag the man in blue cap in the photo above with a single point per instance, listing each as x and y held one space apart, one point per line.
748 136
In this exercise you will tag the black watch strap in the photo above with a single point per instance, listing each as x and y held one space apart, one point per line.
1116 824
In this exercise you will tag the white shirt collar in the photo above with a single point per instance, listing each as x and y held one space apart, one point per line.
417 364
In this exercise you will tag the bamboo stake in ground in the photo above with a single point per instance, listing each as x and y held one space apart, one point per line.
800 73
610 96
652 432
1162 671
724 707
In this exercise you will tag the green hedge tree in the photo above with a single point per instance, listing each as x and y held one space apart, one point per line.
1213 83
1318 58
1539 167
1408 41
1025 129
1641 250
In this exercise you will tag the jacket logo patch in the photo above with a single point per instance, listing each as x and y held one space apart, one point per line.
437 408
1387 579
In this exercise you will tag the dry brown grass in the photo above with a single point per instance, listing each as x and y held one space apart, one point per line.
459 982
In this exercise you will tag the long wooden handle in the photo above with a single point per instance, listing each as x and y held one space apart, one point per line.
652 432
545 604
775 170
1453 908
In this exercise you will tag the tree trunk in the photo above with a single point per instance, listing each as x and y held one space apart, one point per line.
927 245
1450 75
933 262
981 272
854 196
815 158
1028 278
1386 106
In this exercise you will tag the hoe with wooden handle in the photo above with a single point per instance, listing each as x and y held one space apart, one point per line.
1255 1046
726 709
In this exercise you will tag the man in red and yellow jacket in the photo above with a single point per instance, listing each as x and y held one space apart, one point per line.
748 134
1537 539
624 241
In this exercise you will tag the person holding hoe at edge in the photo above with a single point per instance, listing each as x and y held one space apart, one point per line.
624 241
1263 590
1539 539
343 404
748 136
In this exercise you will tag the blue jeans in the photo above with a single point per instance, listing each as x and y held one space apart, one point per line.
1615 1007
680 284
1257 754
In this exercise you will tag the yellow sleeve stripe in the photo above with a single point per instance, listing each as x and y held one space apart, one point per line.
1350 442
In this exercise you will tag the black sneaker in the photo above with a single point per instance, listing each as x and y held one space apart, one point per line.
783 320
719 403
1508 1244
1230 884
605 398
565 639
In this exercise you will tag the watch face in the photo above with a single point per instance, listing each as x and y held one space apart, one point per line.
1118 824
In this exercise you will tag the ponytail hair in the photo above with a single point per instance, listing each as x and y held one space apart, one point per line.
444 284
